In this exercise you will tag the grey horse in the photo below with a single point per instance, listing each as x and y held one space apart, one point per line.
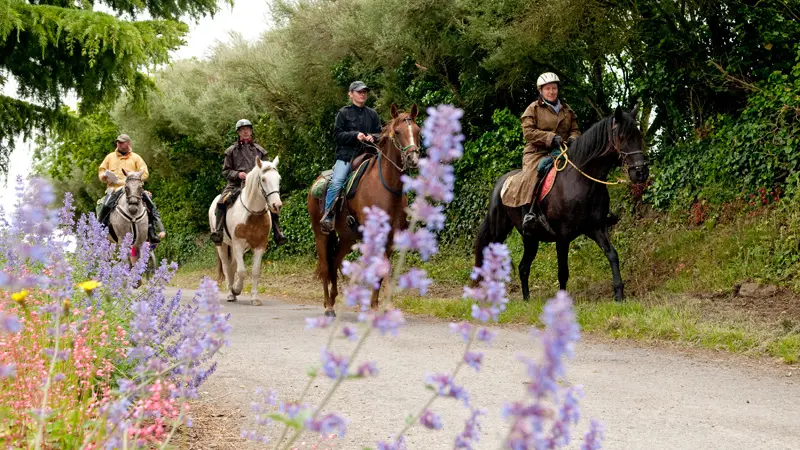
130 214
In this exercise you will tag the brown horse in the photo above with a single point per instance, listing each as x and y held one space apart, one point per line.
398 151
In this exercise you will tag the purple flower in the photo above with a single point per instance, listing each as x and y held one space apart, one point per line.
8 371
356 295
594 437
318 322
59 377
9 323
490 295
422 240
334 366
430 420
350 332
388 322
485 335
414 279
330 423
471 433
367 369
395 444
545 421
445 387
463 328
474 359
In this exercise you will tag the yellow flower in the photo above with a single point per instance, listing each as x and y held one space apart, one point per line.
67 305
19 297
89 286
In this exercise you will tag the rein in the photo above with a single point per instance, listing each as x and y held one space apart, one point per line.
266 198
612 147
403 153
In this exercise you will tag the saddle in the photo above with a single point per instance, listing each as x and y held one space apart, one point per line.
358 167
547 184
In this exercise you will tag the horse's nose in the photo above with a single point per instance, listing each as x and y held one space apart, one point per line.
277 206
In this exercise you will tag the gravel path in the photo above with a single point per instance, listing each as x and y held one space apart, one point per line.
647 398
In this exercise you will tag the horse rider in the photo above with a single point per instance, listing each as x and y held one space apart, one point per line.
240 158
355 128
124 158
546 124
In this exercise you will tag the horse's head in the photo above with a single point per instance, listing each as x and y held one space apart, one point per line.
626 139
134 189
405 136
269 181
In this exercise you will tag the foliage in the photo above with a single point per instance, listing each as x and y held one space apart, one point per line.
90 361
712 81
737 154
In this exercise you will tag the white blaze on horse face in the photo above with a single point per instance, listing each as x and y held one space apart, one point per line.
270 182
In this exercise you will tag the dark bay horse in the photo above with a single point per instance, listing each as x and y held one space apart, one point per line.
576 205
398 151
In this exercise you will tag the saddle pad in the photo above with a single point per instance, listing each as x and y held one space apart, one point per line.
320 187
547 185
549 180
355 177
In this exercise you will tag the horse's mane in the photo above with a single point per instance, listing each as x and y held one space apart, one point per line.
388 130
594 142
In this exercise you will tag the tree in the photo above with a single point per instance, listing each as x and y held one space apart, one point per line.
52 47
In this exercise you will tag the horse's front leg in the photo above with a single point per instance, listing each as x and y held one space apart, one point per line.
562 249
601 237
258 253
238 257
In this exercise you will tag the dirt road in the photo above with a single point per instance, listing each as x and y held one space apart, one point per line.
647 398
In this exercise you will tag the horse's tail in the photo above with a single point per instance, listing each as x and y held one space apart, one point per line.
220 271
496 226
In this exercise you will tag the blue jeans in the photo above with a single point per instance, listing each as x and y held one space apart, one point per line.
340 172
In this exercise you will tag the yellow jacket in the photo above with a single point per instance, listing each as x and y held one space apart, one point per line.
115 162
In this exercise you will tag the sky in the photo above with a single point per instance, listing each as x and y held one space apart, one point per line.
247 17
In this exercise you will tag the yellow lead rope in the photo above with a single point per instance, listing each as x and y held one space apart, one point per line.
563 154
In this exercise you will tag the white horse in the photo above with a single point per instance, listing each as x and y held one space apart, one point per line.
248 226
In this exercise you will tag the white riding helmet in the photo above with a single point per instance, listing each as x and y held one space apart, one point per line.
243 123
546 78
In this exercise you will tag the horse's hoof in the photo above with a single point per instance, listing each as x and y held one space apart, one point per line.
330 313
255 302
231 298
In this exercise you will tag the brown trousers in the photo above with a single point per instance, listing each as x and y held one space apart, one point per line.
519 188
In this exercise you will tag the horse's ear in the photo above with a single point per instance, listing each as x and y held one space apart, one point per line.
618 114
275 162
635 109
414 111
394 112
125 172
258 161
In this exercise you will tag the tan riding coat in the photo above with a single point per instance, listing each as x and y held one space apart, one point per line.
116 161
540 124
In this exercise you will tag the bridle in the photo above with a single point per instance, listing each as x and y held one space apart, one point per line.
614 145
263 193
405 152
128 196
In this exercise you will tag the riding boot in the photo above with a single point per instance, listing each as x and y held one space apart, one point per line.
216 235
535 215
329 217
154 224
109 202
280 239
